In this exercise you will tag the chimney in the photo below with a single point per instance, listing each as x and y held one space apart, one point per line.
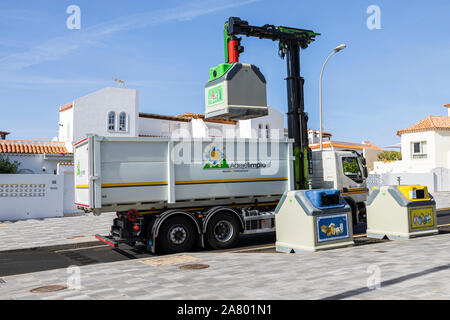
3 135
448 107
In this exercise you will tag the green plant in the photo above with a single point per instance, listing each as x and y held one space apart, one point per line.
7 166
389 156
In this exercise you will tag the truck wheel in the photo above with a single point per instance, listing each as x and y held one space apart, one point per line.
222 231
177 235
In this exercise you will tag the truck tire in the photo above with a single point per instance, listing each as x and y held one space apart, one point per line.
176 235
222 231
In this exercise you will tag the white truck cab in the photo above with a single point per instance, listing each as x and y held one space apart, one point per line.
345 171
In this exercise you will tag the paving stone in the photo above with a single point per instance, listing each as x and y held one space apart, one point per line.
413 269
53 231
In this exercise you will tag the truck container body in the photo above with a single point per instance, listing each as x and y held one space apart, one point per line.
157 184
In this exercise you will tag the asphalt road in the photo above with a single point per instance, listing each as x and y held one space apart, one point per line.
49 258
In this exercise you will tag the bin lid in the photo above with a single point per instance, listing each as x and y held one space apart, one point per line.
325 198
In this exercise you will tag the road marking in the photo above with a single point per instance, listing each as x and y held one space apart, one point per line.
85 248
254 248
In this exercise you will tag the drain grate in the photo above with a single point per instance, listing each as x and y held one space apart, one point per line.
81 259
46 289
194 266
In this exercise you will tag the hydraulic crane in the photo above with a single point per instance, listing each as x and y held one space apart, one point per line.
290 41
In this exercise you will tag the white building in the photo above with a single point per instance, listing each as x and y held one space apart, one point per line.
425 146
115 112
36 157
107 112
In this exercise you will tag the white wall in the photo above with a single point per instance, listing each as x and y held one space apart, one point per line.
199 128
163 128
418 165
442 149
90 113
31 196
65 125
275 121
34 162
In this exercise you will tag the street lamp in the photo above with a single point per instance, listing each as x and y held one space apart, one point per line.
336 50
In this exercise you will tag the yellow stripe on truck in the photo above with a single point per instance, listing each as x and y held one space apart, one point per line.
134 184
231 180
162 183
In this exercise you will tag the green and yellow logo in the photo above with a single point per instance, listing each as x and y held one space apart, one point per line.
215 158
215 95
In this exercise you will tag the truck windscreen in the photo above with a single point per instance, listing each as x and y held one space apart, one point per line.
351 169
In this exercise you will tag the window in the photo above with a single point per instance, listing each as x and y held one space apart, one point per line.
112 121
267 131
352 169
260 134
419 150
123 122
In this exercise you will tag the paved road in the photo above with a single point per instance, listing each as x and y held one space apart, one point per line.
48 258
412 269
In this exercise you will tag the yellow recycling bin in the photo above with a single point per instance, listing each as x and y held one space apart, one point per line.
400 212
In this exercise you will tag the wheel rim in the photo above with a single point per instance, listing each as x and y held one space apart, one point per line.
177 235
223 231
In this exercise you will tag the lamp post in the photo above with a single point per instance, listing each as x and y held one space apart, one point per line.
336 50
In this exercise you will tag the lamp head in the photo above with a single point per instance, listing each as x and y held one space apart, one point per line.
340 48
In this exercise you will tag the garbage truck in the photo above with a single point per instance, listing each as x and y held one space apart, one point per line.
172 194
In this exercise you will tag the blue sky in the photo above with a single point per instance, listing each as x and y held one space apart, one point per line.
385 80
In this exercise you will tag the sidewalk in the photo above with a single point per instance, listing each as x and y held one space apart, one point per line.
54 231
411 269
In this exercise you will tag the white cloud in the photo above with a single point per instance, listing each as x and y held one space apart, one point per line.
60 47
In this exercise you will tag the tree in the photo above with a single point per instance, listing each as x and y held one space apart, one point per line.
7 166
390 156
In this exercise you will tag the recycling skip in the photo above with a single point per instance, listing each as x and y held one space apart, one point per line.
401 212
311 220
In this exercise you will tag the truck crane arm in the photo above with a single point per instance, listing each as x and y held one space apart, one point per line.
290 41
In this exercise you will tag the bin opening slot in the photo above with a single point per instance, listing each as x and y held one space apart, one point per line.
420 194
330 200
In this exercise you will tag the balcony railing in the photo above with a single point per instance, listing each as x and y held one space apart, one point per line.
420 156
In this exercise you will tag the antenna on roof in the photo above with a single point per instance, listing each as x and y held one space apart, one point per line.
120 82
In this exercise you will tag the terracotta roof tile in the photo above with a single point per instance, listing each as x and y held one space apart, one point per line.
32 147
428 124
66 107
347 145
185 117
324 134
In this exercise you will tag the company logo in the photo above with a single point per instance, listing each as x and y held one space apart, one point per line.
215 158
78 169
215 95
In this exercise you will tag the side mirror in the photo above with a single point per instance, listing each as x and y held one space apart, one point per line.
365 172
